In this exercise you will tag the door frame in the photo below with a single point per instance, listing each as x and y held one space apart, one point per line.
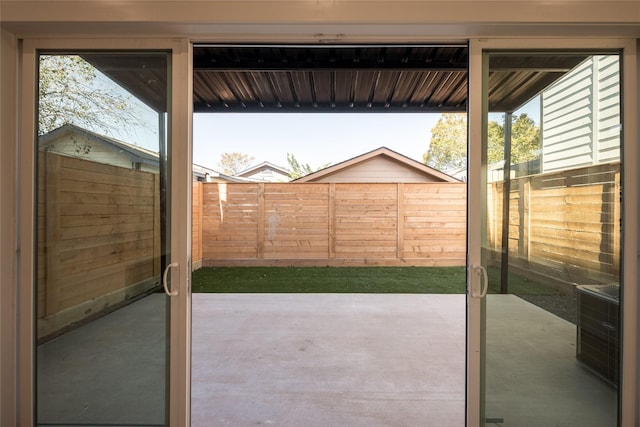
179 373
477 118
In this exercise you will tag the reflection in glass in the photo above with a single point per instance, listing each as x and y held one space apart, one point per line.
552 239
101 326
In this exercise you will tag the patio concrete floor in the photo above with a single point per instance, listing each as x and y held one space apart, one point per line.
328 360
324 359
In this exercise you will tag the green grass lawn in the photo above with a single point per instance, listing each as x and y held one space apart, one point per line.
414 280
406 280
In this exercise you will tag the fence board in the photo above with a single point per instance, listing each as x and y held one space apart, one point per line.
564 225
196 224
98 233
334 224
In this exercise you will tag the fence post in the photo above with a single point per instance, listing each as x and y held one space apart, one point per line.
157 232
524 229
400 222
617 224
261 221
52 280
332 221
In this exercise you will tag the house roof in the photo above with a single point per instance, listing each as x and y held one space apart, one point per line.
204 172
385 152
137 153
257 168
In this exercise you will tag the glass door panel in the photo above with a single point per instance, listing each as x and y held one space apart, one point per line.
551 238
102 197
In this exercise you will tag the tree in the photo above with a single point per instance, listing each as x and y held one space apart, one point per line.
495 135
299 170
448 147
525 139
71 91
232 163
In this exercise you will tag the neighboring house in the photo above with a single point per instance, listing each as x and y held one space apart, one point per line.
74 141
581 116
204 174
380 165
459 173
265 172
580 120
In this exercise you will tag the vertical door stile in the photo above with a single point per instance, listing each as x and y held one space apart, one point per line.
473 393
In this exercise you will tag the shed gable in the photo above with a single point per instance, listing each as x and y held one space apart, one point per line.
378 169
378 166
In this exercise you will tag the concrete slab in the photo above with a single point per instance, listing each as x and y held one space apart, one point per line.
323 359
108 372
328 359
533 376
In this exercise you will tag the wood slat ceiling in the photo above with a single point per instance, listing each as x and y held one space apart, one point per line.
339 78
330 78
363 78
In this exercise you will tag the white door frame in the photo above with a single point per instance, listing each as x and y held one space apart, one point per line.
475 307
181 101
180 157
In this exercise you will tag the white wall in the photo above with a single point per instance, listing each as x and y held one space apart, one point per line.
73 145
581 116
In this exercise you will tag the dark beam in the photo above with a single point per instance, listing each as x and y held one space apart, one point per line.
203 108
205 65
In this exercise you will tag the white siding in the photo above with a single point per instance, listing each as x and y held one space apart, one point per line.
73 145
608 113
581 116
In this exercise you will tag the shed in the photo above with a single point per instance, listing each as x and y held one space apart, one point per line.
379 165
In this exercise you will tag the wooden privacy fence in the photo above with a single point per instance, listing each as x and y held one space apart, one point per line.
329 224
98 238
565 225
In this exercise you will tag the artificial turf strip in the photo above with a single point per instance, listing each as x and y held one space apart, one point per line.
407 280
401 280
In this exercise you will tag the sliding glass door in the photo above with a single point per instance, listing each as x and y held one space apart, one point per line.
547 284
110 300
